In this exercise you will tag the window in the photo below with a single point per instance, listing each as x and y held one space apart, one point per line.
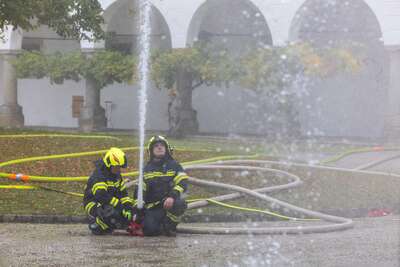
77 104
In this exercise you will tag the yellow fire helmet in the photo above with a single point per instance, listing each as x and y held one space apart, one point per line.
115 157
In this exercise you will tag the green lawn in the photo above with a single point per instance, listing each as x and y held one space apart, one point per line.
313 193
45 202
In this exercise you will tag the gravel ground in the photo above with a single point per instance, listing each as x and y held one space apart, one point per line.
373 242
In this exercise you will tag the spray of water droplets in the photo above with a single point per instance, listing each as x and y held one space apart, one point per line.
145 31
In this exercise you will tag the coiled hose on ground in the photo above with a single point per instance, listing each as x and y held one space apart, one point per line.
335 223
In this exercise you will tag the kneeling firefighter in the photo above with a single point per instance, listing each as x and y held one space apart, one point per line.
164 183
106 200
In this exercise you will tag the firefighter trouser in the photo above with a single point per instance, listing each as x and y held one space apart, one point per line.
157 219
104 219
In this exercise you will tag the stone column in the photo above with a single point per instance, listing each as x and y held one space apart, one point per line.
92 116
392 121
10 112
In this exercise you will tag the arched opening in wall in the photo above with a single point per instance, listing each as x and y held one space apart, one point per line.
337 105
122 25
48 41
239 27
123 28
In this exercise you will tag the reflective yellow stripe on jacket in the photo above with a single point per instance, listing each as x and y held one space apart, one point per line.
179 188
125 200
114 201
89 206
181 176
99 186
151 175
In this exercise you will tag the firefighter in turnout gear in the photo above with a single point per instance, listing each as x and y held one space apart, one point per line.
164 183
106 200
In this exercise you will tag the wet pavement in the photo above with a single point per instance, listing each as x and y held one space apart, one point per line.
361 159
373 242
390 166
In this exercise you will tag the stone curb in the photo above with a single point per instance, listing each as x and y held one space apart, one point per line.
194 218
46 219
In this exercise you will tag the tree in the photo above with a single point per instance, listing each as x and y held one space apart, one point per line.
268 71
104 67
98 69
273 72
68 18
183 70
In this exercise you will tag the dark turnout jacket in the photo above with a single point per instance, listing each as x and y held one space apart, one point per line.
162 179
104 187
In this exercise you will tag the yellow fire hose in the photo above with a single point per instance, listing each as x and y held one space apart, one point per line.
212 201
230 206
32 178
356 151
19 187
59 135
35 178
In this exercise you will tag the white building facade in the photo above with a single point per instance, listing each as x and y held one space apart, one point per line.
365 105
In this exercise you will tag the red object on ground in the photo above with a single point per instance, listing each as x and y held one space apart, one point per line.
378 148
379 212
135 229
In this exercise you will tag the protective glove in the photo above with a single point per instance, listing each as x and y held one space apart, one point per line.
127 214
